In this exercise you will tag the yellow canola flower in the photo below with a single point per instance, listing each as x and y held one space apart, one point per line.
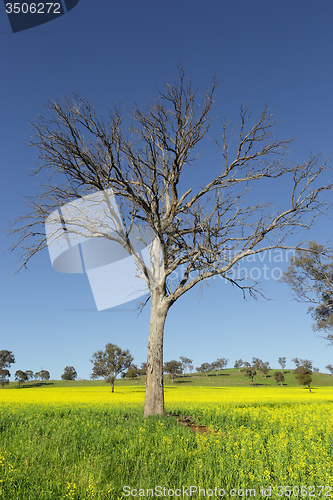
174 396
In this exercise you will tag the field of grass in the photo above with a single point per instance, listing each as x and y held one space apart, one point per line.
85 443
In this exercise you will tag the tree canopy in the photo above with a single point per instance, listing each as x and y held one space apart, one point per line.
110 363
69 373
6 359
310 276
173 368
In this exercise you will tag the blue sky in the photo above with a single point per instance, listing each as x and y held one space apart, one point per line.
278 53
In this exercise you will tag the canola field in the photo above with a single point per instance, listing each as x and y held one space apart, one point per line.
85 443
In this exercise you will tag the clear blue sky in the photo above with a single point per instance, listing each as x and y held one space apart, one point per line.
278 53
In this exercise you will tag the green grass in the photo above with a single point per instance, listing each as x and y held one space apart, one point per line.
82 453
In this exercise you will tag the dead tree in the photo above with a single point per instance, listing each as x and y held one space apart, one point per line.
140 160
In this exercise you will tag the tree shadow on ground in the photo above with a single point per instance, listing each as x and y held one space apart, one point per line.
33 385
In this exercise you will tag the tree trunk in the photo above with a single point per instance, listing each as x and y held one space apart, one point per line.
281 384
154 399
112 385
309 389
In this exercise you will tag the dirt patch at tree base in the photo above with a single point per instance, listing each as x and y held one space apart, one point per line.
189 422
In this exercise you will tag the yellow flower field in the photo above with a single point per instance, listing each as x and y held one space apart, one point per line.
85 443
126 395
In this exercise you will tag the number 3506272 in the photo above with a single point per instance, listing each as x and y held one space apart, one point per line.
33 8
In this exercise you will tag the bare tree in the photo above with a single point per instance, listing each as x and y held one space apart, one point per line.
205 231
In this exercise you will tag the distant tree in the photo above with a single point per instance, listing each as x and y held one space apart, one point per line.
250 372
220 364
173 368
44 375
37 376
315 369
282 363
6 359
310 276
296 361
279 377
256 362
205 367
214 367
69 373
329 368
238 364
21 377
110 363
30 374
185 363
143 369
4 377
303 375
132 372
190 367
264 368
306 363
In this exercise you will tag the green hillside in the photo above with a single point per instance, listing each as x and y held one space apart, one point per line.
228 377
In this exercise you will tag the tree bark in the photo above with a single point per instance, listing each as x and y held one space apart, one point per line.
154 398
112 385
